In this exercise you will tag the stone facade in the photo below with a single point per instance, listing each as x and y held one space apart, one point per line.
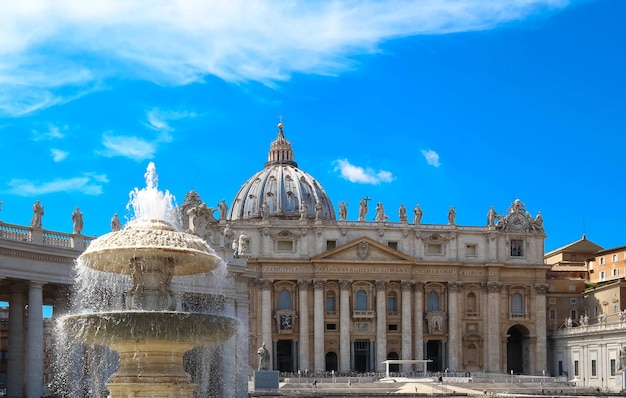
333 294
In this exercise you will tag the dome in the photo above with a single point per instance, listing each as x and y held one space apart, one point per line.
281 190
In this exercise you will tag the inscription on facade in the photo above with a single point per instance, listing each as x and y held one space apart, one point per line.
363 269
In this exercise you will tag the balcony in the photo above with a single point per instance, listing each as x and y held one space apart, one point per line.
363 314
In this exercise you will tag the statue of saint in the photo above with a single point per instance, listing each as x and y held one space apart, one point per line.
380 213
77 221
402 213
417 215
491 217
265 211
452 216
242 246
35 222
116 224
264 358
304 210
363 209
343 211
223 209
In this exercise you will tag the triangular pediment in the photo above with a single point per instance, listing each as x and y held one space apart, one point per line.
363 250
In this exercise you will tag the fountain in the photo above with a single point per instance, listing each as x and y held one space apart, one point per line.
149 334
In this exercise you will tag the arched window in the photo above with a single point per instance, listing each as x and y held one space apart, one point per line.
284 300
471 308
433 301
517 304
361 300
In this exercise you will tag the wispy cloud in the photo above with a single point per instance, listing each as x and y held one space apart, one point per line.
58 155
53 133
432 157
131 147
159 120
88 184
361 175
50 48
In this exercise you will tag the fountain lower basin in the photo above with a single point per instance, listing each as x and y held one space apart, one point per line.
150 345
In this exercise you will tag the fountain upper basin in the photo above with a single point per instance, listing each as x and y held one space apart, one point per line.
118 251
109 328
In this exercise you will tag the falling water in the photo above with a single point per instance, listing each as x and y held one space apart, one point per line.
114 278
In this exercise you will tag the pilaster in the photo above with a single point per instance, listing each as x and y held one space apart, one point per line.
419 320
381 324
407 327
318 325
344 325
303 319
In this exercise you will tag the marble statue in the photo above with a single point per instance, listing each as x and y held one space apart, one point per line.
265 211
116 224
452 216
223 209
264 358
318 211
343 211
228 235
35 222
77 221
380 213
417 215
491 217
304 210
363 209
402 213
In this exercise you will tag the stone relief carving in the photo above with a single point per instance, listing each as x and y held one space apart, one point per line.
363 250
519 220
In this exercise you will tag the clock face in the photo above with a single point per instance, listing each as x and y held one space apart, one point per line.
517 220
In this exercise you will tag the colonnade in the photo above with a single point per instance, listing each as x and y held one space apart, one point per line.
25 362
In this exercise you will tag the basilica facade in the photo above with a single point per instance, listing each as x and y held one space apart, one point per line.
335 292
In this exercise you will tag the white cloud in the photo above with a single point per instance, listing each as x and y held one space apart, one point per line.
432 157
87 184
159 120
361 175
58 155
53 133
46 47
132 147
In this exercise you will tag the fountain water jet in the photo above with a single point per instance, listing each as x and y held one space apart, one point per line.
149 335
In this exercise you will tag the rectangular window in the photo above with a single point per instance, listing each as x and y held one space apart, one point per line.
615 272
393 245
594 370
602 276
330 304
560 368
284 246
471 250
434 248
331 244
572 301
613 367
517 248
573 314
615 258
602 261
552 314
331 326
392 305
576 368
552 300
393 327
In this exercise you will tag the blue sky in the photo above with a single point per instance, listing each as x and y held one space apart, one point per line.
467 103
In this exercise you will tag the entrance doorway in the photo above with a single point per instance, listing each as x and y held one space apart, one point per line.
331 361
393 367
517 350
362 355
284 355
434 352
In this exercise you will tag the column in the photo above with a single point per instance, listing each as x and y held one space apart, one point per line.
242 311
303 319
266 314
493 326
419 320
453 326
381 325
344 325
407 327
318 325
542 348
15 362
34 341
